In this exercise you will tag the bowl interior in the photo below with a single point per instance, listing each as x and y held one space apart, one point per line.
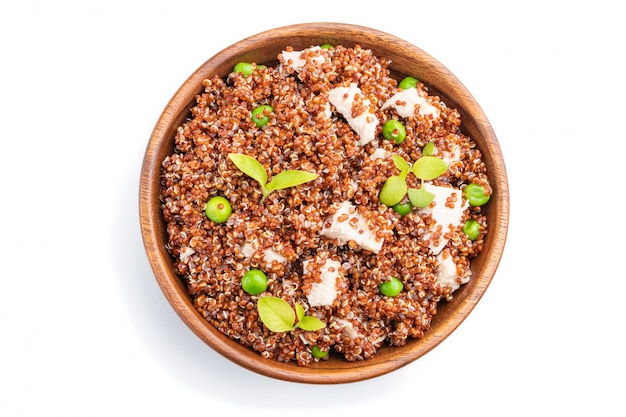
406 59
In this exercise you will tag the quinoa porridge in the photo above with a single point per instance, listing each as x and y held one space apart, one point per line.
329 246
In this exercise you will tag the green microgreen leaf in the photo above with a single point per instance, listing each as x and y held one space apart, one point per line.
254 169
401 164
276 314
428 149
250 166
393 191
299 311
426 168
429 167
420 197
289 178
311 323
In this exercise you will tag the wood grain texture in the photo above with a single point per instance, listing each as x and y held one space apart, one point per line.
406 59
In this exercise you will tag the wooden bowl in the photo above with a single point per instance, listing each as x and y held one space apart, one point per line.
406 59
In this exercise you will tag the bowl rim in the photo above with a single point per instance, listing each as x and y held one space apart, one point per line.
152 228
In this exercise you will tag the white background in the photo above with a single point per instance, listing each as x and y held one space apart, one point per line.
84 328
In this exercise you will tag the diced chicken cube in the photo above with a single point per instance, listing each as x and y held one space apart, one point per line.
446 214
449 157
447 272
324 293
406 101
347 327
379 153
249 248
269 254
295 60
348 225
186 253
363 124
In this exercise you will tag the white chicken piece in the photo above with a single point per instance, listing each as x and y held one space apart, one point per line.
363 124
447 272
294 58
406 101
324 293
447 213
348 225
269 255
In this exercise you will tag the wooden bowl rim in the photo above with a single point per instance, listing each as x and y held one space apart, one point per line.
335 370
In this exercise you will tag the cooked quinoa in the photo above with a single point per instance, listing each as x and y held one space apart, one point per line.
290 236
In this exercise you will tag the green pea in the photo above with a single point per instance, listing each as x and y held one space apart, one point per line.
318 353
391 288
394 130
408 82
254 282
472 229
403 208
218 209
327 46
244 67
259 117
475 195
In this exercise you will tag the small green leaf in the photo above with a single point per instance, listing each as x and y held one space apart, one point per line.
393 191
299 312
276 314
401 164
429 167
311 323
250 166
420 198
289 178
429 149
